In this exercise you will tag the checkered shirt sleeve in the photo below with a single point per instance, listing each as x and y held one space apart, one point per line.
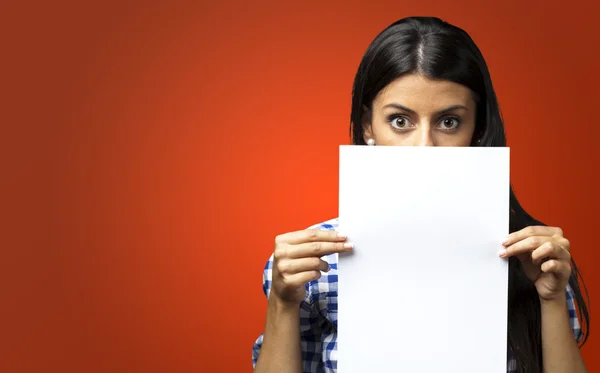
317 334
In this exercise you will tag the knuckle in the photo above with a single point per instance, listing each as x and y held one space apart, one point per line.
283 266
559 231
279 239
316 247
566 244
280 253
312 233
529 230
533 241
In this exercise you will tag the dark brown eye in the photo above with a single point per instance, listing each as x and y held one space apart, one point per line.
450 123
400 123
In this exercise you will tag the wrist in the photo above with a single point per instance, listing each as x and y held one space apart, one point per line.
281 307
557 301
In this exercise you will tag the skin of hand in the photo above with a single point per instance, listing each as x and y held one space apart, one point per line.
544 254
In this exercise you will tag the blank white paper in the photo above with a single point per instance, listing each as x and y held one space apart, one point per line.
424 290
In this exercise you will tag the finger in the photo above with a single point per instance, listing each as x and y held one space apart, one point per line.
526 245
559 268
534 230
564 243
318 249
294 266
299 279
550 250
309 235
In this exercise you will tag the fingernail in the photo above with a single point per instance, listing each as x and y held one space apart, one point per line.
328 268
348 245
502 253
506 240
341 235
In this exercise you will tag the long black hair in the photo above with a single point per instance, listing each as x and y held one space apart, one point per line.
439 50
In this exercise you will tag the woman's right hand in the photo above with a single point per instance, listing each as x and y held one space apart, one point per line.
297 261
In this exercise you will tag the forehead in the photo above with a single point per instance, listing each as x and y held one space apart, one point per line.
420 93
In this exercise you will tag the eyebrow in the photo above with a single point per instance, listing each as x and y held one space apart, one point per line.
450 108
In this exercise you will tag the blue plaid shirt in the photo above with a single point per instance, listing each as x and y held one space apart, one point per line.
318 317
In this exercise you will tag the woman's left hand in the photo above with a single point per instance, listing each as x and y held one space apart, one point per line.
544 254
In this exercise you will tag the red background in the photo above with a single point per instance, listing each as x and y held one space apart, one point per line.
153 151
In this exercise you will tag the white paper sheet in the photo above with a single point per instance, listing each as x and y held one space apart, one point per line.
424 290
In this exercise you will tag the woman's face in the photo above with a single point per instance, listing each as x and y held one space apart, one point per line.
417 111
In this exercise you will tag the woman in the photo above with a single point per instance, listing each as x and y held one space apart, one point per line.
423 82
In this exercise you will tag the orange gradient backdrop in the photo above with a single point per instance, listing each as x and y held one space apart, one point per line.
153 150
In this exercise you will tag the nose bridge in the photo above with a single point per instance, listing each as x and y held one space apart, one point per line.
425 135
